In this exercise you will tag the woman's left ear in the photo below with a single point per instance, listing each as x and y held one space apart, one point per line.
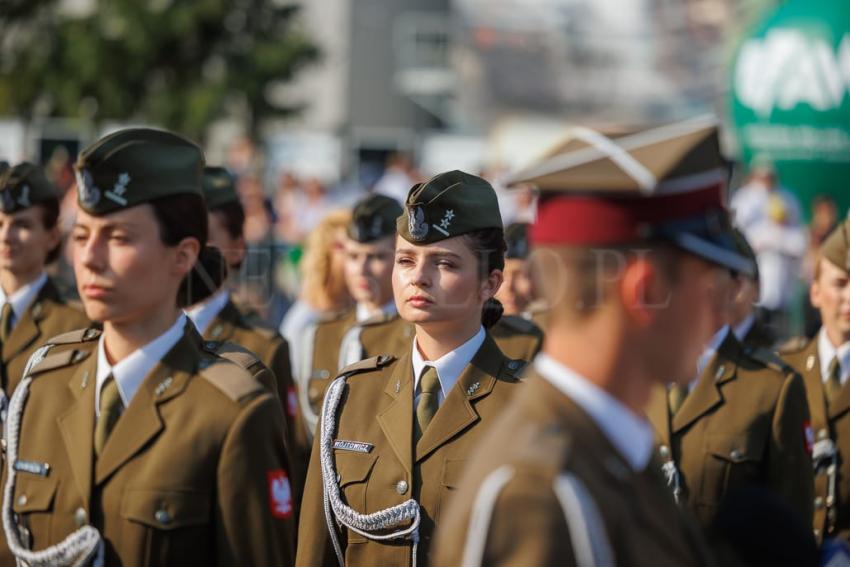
491 284
186 255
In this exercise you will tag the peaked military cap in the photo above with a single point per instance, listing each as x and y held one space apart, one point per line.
374 217
836 247
516 237
23 186
135 166
665 184
219 187
447 205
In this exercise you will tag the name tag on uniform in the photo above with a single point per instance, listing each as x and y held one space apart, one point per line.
32 467
356 446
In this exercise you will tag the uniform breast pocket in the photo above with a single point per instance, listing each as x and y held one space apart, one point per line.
33 503
166 526
731 461
353 470
450 479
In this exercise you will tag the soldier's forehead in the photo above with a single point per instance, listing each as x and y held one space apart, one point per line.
132 217
454 246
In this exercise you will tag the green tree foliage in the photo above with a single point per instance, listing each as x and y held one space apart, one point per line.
175 63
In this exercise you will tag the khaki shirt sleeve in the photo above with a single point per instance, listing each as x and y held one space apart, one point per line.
790 464
314 544
250 528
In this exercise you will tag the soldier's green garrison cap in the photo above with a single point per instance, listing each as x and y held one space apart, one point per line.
447 205
135 166
219 188
516 237
23 186
374 217
836 247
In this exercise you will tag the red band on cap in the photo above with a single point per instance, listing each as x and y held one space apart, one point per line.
607 220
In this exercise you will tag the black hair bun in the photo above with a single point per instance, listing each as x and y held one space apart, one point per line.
491 312
206 277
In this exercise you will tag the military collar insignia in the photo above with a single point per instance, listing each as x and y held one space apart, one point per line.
163 386
89 194
416 225
473 388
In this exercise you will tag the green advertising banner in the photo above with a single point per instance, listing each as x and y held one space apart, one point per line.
791 97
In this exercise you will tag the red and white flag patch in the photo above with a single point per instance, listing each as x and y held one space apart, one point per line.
292 402
280 494
808 436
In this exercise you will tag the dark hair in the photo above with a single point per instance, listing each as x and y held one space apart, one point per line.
178 218
50 218
489 245
234 217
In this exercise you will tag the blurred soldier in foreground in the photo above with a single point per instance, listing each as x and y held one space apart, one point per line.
631 238
824 362
141 445
32 309
219 319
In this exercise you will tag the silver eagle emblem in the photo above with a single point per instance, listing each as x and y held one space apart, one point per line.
416 225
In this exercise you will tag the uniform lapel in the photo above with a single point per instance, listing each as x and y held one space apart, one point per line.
141 421
396 420
77 425
706 394
807 363
27 330
457 411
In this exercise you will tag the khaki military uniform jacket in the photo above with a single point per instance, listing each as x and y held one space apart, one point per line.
513 484
193 473
743 423
377 409
830 422
47 316
231 325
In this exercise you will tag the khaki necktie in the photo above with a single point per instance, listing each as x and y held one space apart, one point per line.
111 408
676 397
429 400
833 380
6 315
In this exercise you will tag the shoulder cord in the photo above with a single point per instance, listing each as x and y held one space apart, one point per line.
591 547
75 550
363 524
482 512
350 340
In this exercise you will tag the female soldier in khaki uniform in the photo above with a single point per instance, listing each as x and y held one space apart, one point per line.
32 309
140 445
394 434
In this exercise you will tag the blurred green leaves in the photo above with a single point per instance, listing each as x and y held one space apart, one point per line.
176 63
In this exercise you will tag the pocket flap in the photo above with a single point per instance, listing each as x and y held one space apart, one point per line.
165 509
734 448
353 467
452 471
33 494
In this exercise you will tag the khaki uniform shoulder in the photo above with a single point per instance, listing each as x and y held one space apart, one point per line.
232 352
332 316
514 368
60 351
793 345
769 359
229 371
367 365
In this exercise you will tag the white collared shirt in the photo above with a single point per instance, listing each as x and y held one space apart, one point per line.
130 372
827 351
744 327
205 312
449 366
21 299
632 435
362 313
